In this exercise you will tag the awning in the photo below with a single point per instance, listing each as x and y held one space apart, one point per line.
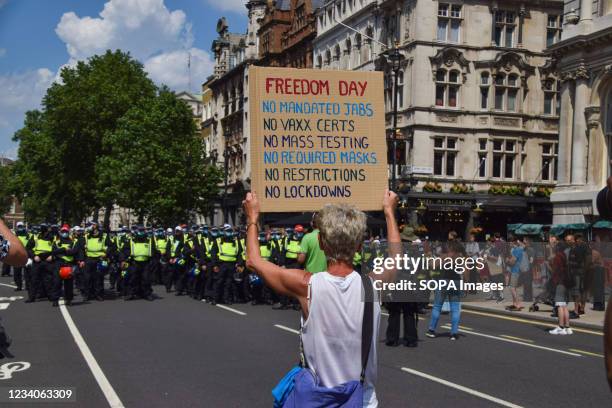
513 227
529 229
603 224
559 229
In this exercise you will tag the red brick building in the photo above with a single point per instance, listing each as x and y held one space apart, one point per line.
286 33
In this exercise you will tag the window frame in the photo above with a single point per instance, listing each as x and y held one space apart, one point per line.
503 24
445 152
503 154
446 86
448 20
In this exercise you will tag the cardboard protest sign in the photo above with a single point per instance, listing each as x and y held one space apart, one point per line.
317 137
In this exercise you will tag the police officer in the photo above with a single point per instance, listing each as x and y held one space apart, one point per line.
292 249
212 265
192 256
18 272
40 250
208 251
257 286
158 264
95 254
176 262
139 254
65 249
228 256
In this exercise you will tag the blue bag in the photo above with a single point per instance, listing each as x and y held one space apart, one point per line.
300 387
285 386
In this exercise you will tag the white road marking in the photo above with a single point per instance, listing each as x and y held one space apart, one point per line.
103 383
290 330
229 309
522 343
4 306
8 285
462 388
7 370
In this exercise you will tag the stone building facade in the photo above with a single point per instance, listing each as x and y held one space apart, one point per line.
287 32
478 106
229 140
583 60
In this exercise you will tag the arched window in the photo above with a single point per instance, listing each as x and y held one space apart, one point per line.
337 55
368 48
357 49
319 61
327 57
348 54
552 105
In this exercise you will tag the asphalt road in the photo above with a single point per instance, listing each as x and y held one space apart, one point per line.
177 352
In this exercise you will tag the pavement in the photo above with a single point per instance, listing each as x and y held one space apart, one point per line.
592 319
178 352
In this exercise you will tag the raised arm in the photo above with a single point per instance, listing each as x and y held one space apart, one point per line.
17 255
393 236
291 282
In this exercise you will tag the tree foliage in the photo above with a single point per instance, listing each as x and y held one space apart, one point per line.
99 129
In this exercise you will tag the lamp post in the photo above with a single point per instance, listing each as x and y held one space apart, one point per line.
395 59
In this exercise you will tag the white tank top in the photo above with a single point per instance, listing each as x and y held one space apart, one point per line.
332 332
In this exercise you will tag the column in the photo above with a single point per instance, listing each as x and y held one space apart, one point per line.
522 14
586 11
565 133
579 143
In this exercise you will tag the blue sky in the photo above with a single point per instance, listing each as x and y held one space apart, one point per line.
38 37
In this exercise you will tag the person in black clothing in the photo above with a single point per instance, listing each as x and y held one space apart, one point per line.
138 253
40 250
211 256
176 273
19 271
192 254
64 250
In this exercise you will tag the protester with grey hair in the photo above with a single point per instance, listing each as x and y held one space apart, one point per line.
331 300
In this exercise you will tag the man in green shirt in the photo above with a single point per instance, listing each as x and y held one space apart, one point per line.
311 255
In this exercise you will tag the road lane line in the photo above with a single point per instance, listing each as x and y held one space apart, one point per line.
588 353
8 285
290 330
516 338
229 309
106 387
532 322
522 343
470 391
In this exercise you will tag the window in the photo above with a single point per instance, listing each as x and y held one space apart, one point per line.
504 159
327 57
449 22
482 158
552 104
506 92
505 26
485 81
266 42
447 88
549 161
319 61
553 29
445 155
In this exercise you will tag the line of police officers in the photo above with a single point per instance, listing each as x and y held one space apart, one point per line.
204 263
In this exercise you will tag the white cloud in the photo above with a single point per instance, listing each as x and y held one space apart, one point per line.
171 68
3 3
143 27
235 6
2 52
161 39
21 92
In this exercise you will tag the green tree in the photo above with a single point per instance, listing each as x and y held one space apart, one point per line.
35 178
5 192
158 166
80 113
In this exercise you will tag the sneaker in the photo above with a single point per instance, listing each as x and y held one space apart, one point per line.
558 330
568 331
431 334
454 337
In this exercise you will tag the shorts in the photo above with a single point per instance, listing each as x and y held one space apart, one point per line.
561 296
514 280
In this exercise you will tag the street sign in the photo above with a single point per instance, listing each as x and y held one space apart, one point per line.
408 169
317 137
